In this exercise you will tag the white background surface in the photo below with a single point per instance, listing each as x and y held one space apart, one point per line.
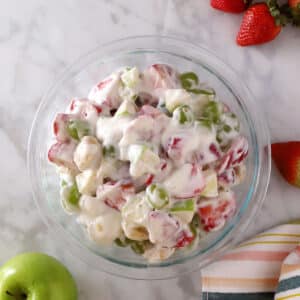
38 39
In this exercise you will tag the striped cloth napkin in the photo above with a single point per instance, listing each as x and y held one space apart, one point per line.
265 267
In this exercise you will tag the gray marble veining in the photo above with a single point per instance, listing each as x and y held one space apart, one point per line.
38 39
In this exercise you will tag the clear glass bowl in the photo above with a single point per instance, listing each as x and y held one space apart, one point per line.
141 52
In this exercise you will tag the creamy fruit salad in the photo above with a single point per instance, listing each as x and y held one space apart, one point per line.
148 160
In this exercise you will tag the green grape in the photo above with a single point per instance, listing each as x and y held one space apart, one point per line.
183 115
78 129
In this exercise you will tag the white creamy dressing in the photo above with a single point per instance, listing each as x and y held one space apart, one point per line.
135 217
144 146
110 130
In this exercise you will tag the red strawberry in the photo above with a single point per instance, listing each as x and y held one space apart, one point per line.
232 6
294 3
61 154
213 213
287 159
258 26
185 239
295 12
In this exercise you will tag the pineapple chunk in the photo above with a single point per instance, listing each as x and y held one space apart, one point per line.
88 153
211 187
87 182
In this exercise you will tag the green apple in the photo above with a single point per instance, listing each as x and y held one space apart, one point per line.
157 196
175 98
127 108
36 276
183 115
211 187
184 210
142 160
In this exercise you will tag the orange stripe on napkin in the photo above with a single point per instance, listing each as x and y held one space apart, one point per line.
256 255
270 283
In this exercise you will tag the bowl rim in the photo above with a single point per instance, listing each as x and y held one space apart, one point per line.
188 264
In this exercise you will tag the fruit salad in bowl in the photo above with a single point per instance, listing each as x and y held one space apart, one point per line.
149 158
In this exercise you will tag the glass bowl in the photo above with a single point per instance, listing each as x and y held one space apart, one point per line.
77 81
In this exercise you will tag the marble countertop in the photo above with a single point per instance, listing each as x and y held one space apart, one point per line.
38 39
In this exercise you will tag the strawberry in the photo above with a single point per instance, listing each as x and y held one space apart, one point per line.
258 26
287 159
61 154
215 212
294 3
294 12
160 76
231 6
235 155
185 239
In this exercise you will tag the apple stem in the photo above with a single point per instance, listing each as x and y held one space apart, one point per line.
23 296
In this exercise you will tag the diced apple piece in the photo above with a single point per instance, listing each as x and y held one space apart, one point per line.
184 216
87 182
186 182
105 229
130 77
110 130
130 84
176 97
77 129
88 153
198 104
142 160
240 172
211 184
186 205
184 210
93 206
127 108
157 196
183 115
